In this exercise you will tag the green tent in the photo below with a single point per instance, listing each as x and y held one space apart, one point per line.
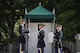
39 14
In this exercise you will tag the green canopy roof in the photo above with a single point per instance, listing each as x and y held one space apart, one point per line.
39 13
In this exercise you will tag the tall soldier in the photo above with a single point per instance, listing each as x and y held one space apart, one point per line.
41 35
58 38
21 39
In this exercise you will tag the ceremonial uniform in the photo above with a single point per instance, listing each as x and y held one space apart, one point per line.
58 42
41 43
21 39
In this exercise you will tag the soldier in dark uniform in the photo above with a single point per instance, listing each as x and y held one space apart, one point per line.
21 39
58 38
41 35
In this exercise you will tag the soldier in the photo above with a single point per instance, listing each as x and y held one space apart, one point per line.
41 35
21 38
58 38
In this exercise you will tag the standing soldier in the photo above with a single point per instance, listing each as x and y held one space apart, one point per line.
58 38
41 35
21 39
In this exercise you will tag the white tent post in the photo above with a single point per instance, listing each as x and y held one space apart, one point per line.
53 22
26 35
26 47
53 29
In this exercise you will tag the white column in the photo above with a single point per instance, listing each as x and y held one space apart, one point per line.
54 20
53 29
26 26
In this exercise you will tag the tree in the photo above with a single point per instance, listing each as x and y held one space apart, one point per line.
68 16
10 12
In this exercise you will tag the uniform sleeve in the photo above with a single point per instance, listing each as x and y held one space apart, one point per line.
60 34
41 35
20 29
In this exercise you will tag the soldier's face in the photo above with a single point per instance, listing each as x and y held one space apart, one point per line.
58 28
40 27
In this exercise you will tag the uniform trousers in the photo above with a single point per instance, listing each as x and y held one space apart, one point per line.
41 50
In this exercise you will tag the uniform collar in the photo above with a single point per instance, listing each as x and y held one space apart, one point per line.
41 29
58 30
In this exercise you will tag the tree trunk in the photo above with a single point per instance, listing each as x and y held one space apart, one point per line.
11 36
9 48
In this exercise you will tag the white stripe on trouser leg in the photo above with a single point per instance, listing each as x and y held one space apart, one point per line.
59 50
21 51
20 47
40 50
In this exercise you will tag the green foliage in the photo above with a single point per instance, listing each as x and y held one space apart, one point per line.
68 16
69 25
10 12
